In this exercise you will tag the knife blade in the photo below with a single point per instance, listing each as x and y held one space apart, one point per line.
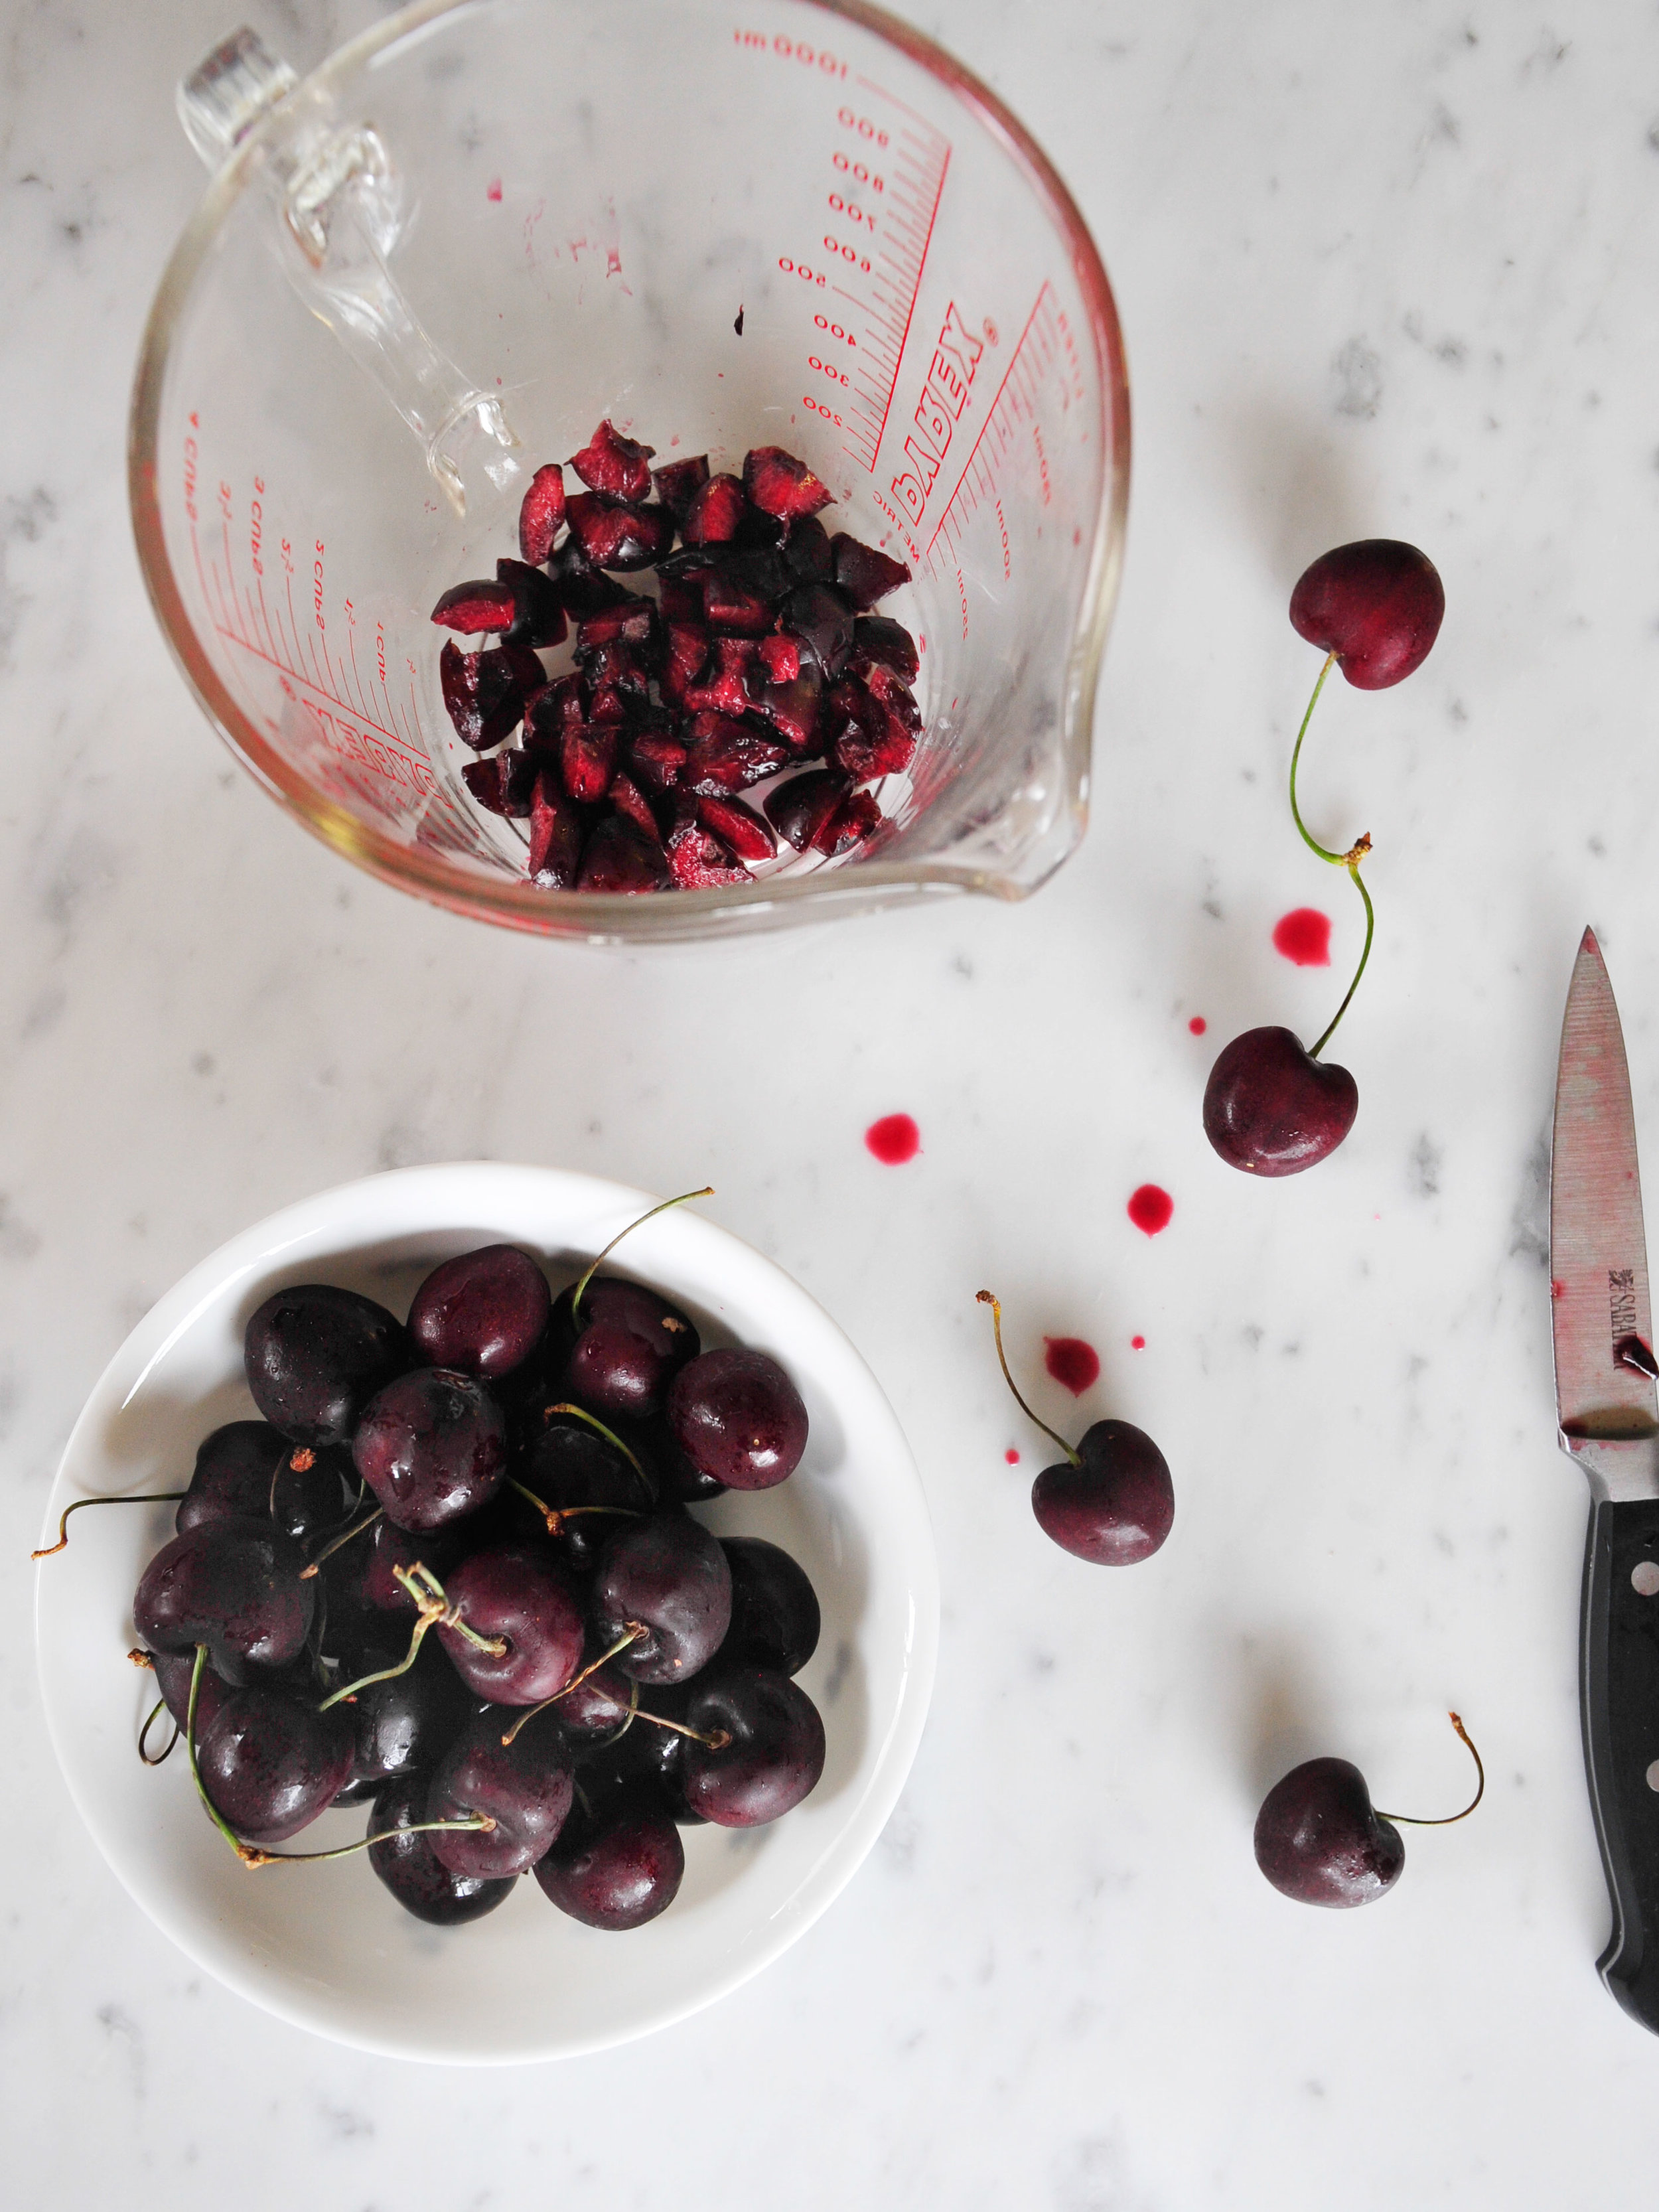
1608 1410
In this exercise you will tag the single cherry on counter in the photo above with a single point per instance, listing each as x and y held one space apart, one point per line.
1320 1840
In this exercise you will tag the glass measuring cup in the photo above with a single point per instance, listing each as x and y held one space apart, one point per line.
803 225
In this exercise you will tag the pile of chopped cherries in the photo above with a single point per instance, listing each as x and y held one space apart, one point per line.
759 662
529 1654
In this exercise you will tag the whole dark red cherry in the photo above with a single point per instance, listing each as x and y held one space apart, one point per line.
669 1576
483 1313
524 1786
249 1470
775 1621
271 1762
773 1754
629 1341
1376 604
233 1585
518 1594
1272 1109
431 1446
405 1725
172 1671
314 1356
739 1419
1115 1507
614 1870
411 1870
362 1576
1319 1839
571 1466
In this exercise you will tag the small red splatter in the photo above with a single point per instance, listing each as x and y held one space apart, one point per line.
1558 1288
1304 936
1198 1025
495 191
1150 1209
1072 1362
1137 1344
894 1139
1011 1456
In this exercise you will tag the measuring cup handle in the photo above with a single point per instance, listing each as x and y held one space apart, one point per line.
339 198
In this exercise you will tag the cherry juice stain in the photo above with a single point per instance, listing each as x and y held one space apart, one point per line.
1011 1456
894 1139
1137 1344
1072 1363
495 191
1198 1025
1304 936
1150 1208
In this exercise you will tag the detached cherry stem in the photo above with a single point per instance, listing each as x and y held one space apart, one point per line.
138 1497
995 1304
1413 1820
684 1198
1350 860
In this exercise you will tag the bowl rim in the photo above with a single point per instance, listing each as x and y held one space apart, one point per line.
606 918
252 1250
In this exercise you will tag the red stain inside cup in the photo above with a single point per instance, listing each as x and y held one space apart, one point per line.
1150 1208
1198 1025
1304 936
894 1139
1011 1456
1072 1363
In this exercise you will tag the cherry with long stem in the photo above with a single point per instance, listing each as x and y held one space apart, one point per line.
557 1516
986 1298
1351 860
138 1497
1448 1819
631 1634
426 1592
684 1198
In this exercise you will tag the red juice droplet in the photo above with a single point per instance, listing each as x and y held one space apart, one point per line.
1137 1344
495 191
1072 1362
1011 1456
1198 1025
1152 1209
1304 936
894 1139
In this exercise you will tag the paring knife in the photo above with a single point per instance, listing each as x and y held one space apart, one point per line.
1608 1412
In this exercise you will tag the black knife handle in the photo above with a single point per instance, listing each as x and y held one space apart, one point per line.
1618 1684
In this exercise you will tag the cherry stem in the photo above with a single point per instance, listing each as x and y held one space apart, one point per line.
716 1739
139 1497
301 1459
160 1706
426 1592
683 1198
246 1852
430 1611
632 1635
557 1516
610 1435
995 1304
329 1549
1412 1820
1350 860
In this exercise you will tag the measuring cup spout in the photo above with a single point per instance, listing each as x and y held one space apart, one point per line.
339 201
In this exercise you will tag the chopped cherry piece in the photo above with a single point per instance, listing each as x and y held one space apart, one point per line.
504 785
541 517
724 689
483 693
475 607
633 621
714 512
612 536
584 588
614 465
539 619
628 799
783 659
657 760
688 650
857 817
863 574
621 856
587 761
780 484
822 621
793 709
739 827
727 757
806 552
880 746
556 837
802 809
697 859
878 638
678 484
730 604
680 597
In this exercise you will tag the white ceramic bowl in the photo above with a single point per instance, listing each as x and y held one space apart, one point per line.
325 1945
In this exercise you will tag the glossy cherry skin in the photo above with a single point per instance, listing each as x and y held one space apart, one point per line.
775 1754
247 1469
410 1869
432 1446
738 1418
403 1726
1117 1507
615 1870
233 1585
669 1576
172 1671
629 1341
519 1594
775 1621
1377 605
1272 1109
524 1786
314 1356
1319 1839
271 1762
362 1578
483 1313
568 1464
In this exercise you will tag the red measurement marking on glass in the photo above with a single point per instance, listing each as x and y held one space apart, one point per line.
1011 414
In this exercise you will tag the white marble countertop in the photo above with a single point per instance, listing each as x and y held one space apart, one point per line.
1390 271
